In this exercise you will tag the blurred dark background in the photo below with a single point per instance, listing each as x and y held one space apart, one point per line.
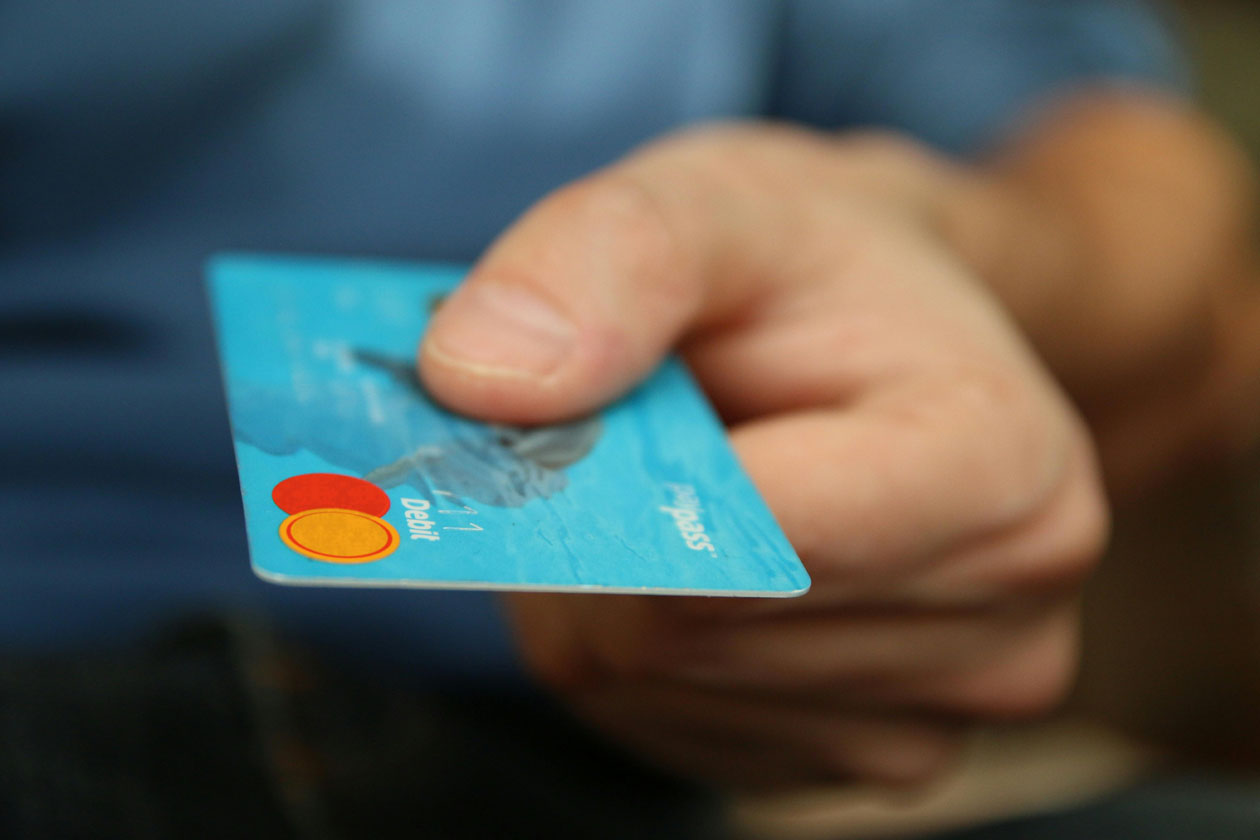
1224 38
1173 618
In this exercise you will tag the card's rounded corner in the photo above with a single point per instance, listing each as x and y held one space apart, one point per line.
802 590
269 576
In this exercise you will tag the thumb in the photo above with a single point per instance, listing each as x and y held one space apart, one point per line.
582 297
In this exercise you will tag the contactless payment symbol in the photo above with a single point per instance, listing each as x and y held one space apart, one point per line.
335 518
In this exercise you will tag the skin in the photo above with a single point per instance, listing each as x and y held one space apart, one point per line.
902 346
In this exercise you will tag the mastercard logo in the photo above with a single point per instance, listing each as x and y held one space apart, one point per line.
335 518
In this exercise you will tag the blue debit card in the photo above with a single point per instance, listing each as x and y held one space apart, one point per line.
352 476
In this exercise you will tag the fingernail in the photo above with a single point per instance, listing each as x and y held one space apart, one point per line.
493 330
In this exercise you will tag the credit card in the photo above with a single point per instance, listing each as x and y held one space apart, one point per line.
352 476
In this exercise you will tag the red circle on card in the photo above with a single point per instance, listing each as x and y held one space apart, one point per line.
329 490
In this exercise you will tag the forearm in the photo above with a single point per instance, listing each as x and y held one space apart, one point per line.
1118 229
1104 226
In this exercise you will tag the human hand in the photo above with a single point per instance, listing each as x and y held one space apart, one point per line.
933 479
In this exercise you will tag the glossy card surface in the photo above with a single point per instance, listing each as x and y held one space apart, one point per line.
351 476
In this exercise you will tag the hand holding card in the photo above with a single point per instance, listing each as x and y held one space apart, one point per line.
933 478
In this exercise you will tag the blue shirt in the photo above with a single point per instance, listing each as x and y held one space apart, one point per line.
139 136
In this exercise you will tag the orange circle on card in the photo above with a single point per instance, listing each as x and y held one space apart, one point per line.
334 535
329 490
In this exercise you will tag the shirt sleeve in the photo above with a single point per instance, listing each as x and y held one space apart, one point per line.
955 73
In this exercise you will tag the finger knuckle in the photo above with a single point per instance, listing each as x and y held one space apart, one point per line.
707 139
1079 538
620 215
903 761
1025 448
1057 549
734 145
1030 686
618 209
884 149
914 766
